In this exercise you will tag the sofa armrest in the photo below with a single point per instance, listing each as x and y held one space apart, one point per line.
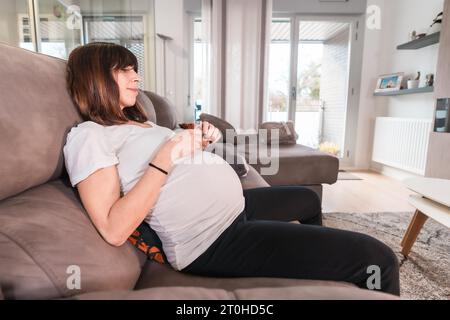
246 138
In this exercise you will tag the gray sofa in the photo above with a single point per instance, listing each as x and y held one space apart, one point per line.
45 233
283 165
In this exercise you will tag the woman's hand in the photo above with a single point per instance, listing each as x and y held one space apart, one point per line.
210 133
182 144
186 143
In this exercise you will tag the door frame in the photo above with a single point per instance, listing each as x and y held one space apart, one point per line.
354 74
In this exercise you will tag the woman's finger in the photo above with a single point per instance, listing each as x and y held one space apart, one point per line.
214 134
198 137
206 127
218 135
210 133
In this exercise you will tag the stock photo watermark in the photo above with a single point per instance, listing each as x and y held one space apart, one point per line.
74 18
373 17
73 281
374 281
262 149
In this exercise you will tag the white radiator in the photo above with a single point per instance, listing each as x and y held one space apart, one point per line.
402 143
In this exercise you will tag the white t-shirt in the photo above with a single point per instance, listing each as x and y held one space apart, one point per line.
196 204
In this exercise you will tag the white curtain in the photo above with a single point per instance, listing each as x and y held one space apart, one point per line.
247 39
206 55
217 57
212 35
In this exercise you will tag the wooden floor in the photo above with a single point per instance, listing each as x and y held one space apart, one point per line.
375 193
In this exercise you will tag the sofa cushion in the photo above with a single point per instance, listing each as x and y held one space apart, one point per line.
36 114
155 277
169 293
298 165
253 180
312 292
166 114
147 104
286 132
44 231
159 275
315 292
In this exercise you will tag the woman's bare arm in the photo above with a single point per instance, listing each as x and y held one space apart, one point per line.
114 217
117 218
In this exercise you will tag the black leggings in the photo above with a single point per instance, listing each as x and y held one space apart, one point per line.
260 243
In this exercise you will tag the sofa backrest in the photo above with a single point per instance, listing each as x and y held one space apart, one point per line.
36 113
164 109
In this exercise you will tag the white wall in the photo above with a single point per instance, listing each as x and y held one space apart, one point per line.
405 16
380 56
169 20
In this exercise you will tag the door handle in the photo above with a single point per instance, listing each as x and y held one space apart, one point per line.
294 93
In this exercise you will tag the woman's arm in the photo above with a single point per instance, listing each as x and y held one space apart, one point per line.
114 217
117 218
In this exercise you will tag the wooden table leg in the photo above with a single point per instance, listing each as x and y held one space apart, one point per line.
412 232
408 230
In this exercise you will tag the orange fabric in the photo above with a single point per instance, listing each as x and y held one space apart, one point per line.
152 252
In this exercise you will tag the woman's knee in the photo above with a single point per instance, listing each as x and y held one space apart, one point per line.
312 206
380 261
382 254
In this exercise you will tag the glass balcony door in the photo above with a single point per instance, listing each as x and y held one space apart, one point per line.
311 79
279 70
322 83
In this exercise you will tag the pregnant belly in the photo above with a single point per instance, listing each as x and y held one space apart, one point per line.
198 193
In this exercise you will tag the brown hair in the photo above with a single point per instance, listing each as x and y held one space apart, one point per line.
92 86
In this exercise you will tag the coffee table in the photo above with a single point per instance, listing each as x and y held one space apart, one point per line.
433 202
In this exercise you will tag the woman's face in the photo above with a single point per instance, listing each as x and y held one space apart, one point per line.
128 81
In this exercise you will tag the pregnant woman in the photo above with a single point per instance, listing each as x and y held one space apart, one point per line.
128 170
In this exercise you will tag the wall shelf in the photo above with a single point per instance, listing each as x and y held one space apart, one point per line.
405 91
421 43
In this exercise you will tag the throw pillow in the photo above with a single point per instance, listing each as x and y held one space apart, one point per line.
146 240
287 134
220 124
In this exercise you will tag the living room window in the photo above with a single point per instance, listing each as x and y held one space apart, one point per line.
199 67
56 27
279 70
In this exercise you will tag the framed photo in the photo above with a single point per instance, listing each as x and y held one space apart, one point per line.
389 82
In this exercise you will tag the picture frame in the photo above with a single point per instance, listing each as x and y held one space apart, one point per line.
390 82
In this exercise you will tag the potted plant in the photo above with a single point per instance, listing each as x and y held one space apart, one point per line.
437 24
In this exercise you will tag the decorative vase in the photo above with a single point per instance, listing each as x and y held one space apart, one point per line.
413 84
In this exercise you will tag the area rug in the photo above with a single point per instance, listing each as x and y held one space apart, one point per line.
425 274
